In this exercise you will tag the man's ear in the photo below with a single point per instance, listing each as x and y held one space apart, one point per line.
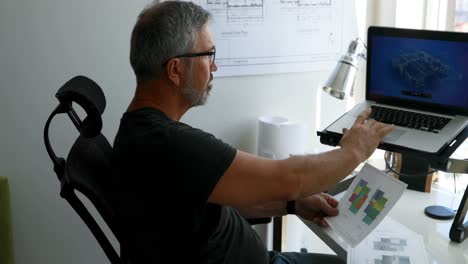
175 71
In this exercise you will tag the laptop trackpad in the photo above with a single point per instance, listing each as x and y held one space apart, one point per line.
394 135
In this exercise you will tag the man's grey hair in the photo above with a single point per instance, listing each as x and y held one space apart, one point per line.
164 30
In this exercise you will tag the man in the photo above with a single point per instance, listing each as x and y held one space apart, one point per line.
185 195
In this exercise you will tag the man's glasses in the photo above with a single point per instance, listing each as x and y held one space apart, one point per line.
210 54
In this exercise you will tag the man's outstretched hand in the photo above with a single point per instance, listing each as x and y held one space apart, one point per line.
364 136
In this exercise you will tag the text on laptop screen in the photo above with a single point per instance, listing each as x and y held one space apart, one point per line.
421 70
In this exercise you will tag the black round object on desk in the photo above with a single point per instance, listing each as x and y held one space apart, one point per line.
439 212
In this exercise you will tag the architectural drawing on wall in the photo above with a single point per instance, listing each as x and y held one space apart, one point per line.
237 11
277 36
306 9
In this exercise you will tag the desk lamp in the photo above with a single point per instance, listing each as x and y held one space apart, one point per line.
341 81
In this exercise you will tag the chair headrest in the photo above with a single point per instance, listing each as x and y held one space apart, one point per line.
86 93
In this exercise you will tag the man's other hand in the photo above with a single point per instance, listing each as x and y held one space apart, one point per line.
315 207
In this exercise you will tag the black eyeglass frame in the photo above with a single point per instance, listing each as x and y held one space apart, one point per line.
197 54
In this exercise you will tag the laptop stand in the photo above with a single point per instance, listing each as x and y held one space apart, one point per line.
438 161
459 230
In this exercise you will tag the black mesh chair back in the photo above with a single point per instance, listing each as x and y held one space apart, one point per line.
87 167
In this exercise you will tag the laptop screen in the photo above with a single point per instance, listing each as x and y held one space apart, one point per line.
425 68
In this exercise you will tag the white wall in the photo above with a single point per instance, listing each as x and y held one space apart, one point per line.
45 43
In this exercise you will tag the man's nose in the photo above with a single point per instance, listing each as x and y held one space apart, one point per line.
214 67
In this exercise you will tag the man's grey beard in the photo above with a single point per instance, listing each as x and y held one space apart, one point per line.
195 98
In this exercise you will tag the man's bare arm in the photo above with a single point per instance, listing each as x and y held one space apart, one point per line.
251 180
270 209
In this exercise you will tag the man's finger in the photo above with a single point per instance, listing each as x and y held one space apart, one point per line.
371 123
323 223
385 130
332 201
316 220
329 210
362 117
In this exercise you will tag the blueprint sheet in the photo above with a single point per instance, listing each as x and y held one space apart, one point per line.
278 36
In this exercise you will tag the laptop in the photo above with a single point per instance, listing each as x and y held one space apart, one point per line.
418 81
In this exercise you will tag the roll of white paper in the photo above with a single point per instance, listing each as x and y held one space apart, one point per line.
279 138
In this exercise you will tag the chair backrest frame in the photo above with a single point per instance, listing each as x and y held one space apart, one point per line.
89 96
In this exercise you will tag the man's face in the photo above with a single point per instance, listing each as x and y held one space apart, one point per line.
198 76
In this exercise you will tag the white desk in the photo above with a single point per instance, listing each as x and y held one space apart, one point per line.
409 211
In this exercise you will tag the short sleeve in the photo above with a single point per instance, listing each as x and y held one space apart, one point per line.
202 160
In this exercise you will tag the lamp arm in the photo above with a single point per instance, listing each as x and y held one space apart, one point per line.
361 48
363 55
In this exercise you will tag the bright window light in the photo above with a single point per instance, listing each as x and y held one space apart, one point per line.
461 16
410 14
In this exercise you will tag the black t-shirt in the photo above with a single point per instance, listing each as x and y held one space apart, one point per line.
164 172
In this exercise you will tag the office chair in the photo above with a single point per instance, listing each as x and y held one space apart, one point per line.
87 167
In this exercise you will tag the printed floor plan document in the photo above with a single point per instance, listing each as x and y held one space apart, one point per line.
390 242
367 201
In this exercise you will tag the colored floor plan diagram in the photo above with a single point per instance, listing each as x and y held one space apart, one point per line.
376 205
367 201
359 196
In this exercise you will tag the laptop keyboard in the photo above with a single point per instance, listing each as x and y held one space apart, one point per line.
408 119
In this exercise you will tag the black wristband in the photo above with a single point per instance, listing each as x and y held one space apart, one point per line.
291 207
